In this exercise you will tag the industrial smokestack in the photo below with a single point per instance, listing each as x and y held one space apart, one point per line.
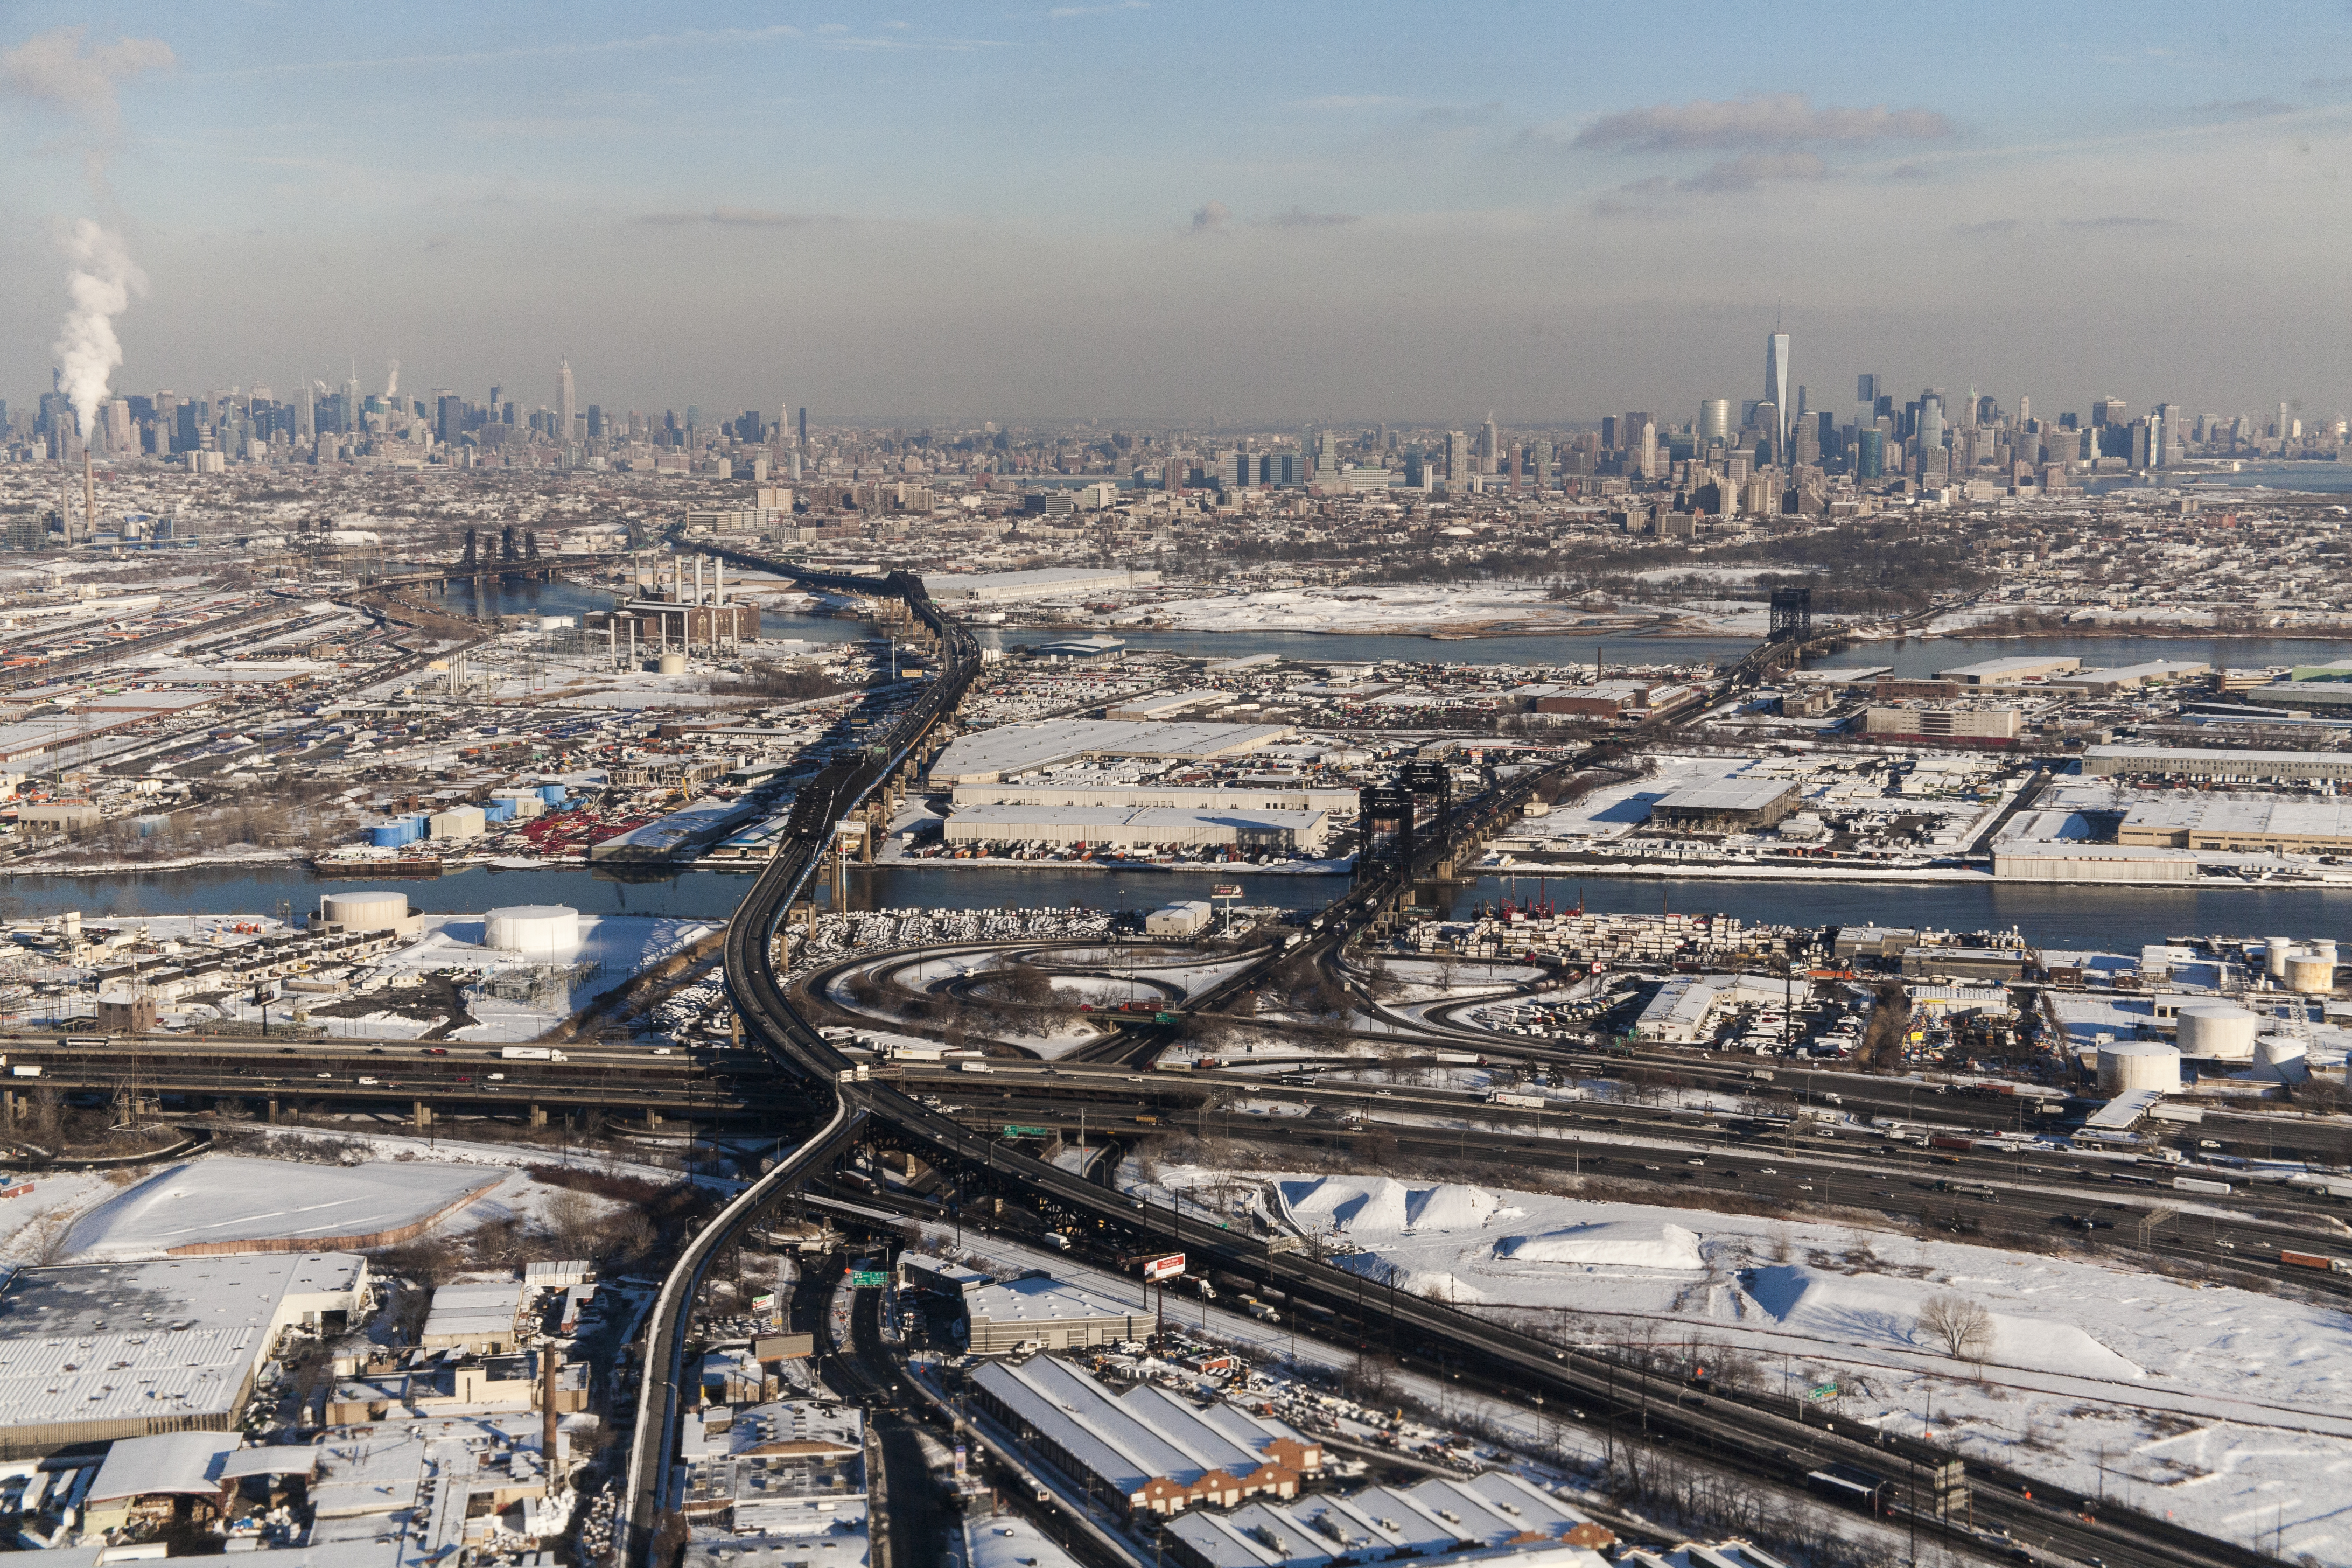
88 495
547 1433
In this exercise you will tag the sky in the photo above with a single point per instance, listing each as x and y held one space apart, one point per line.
1189 210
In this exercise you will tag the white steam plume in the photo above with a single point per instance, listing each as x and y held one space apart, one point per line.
100 286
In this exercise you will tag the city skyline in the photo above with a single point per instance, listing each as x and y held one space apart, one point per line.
1073 210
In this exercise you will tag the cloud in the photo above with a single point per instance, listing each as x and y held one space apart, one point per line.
1350 101
2113 222
1617 206
2326 83
54 68
1060 11
1750 170
1299 217
737 217
1210 219
1910 172
2246 105
1766 120
724 37
1994 226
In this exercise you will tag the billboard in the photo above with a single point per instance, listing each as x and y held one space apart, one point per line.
1168 1268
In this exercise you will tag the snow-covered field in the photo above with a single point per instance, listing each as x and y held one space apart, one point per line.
2229 1410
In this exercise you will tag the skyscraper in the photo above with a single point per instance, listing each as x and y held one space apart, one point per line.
1776 388
566 402
1714 419
1457 456
1489 444
306 411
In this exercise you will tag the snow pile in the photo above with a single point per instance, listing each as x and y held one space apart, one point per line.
229 1204
1369 1210
1867 1309
1618 1244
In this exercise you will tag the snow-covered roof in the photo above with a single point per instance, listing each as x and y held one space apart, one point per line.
167 1462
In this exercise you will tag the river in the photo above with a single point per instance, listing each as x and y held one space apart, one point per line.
2116 919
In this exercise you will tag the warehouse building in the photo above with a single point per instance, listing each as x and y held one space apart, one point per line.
1495 1514
1167 704
2130 677
1043 1313
2218 764
1151 1449
95 1352
2240 824
2014 672
1139 827
2330 699
1601 700
1241 795
1726 805
1966 726
987 755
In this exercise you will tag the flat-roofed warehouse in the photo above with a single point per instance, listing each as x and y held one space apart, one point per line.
1726 805
1052 1314
2333 697
2239 823
93 1353
1130 827
2214 762
2010 671
987 755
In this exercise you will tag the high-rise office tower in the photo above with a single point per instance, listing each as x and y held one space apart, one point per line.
566 404
2024 410
1768 420
1865 391
448 416
1648 453
349 413
1714 419
1457 456
1776 387
1931 423
1543 463
305 411
2108 411
1489 443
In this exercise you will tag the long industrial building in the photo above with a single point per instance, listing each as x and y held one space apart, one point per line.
989 755
2240 824
1149 1449
92 1352
1244 796
1497 1515
1136 827
2214 762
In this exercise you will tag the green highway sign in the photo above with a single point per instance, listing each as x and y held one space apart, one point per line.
1824 1391
867 1279
1013 1130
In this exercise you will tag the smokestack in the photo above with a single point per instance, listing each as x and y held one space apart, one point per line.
88 495
547 1434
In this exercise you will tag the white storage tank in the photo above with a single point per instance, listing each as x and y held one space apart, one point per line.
533 928
2217 1031
2275 956
2129 1065
2310 973
376 910
2278 1058
670 664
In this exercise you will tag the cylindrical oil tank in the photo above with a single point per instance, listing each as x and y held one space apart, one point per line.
533 928
2275 956
376 910
388 834
2280 1059
671 663
551 794
2309 973
2217 1031
498 810
2127 1064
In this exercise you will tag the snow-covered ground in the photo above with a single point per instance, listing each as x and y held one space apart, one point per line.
2229 1410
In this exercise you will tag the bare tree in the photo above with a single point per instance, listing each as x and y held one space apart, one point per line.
1961 1326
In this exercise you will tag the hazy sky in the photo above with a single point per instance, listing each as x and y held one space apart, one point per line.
1186 209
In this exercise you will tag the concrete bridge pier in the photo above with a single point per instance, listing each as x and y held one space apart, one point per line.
420 1114
539 1116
